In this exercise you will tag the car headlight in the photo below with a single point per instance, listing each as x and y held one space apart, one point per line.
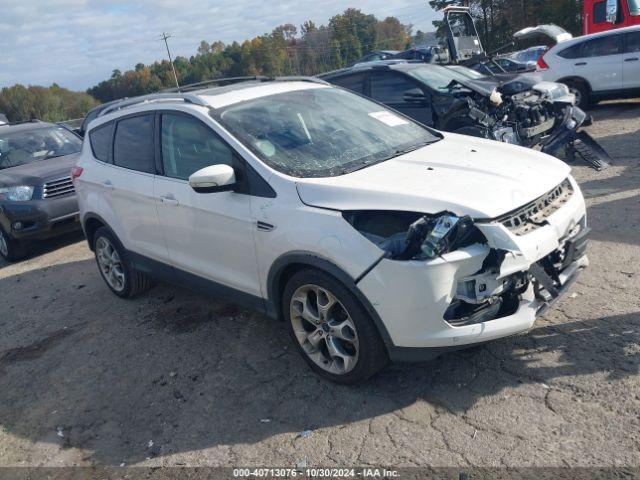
430 237
20 193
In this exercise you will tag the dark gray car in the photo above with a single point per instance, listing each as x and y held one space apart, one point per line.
37 196
517 109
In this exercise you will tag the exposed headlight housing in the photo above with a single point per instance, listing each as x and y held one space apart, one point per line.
415 236
430 237
20 193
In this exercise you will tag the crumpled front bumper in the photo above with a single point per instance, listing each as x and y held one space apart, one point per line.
566 132
412 297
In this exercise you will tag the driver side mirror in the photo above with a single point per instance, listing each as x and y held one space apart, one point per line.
216 178
612 11
415 95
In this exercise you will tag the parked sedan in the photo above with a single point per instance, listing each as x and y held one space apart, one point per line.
37 197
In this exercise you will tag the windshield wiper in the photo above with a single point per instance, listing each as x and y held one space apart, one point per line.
412 148
395 154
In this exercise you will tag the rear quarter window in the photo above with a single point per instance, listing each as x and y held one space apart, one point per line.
133 146
353 82
100 139
574 51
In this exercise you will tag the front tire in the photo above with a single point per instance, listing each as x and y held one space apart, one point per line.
331 329
10 248
115 267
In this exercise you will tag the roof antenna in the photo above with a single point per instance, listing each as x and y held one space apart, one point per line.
175 77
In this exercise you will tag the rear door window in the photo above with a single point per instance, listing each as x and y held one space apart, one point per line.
390 87
133 146
632 42
601 47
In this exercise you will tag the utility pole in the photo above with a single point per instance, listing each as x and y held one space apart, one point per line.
175 77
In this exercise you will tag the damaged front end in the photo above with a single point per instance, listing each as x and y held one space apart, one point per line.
451 280
524 112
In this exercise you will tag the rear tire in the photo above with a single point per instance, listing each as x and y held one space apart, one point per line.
116 268
331 329
10 248
582 93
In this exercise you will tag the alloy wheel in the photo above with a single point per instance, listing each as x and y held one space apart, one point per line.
324 328
577 93
110 264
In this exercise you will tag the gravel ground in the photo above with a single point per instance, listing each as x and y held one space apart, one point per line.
174 378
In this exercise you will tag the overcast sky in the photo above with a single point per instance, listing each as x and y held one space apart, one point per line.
77 43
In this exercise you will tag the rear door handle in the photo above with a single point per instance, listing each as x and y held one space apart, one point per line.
634 59
107 184
581 64
169 200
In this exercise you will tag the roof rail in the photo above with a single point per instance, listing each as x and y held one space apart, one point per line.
217 81
231 80
154 97
300 78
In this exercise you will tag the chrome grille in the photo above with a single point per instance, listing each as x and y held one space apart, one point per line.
534 214
58 188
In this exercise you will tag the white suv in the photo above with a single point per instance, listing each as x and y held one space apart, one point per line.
373 237
596 67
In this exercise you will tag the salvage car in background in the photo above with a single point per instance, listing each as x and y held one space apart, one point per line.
515 109
372 236
375 56
37 198
531 54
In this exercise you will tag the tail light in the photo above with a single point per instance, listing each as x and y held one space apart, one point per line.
76 172
542 65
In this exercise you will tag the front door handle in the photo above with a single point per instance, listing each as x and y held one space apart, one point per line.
634 59
169 200
581 64
107 184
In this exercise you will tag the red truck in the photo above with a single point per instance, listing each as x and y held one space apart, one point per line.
603 15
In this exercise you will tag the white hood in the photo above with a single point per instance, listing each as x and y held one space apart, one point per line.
460 174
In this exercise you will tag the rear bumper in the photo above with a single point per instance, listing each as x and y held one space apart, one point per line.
40 219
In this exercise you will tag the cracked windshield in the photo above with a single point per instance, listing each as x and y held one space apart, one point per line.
322 132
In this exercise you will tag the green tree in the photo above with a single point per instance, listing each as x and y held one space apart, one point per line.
51 104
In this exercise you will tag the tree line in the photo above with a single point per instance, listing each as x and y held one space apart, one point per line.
51 104
287 50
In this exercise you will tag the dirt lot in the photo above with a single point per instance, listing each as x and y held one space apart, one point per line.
177 378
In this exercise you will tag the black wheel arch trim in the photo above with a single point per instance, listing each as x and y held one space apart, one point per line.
274 287
576 78
94 216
